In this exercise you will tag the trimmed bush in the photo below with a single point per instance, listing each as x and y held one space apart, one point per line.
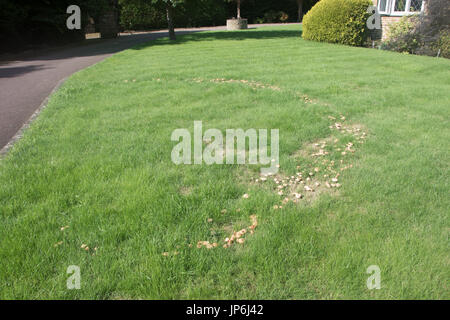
338 21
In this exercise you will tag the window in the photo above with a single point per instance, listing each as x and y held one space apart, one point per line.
382 6
415 6
400 7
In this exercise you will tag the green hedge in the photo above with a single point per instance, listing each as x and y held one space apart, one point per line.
25 24
337 21
141 14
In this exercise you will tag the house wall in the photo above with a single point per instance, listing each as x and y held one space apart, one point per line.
386 22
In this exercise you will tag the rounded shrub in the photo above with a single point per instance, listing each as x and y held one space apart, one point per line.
337 21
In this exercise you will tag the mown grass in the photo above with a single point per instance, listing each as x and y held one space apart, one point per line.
98 160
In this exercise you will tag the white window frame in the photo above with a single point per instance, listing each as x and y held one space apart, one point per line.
388 2
390 5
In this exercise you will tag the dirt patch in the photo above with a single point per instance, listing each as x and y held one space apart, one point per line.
234 238
308 100
185 191
320 165
251 83
259 85
255 85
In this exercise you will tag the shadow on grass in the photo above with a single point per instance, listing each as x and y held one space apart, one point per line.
99 47
222 35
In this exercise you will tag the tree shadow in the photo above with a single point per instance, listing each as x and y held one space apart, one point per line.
105 47
255 34
11 72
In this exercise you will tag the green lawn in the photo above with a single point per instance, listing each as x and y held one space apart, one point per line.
98 160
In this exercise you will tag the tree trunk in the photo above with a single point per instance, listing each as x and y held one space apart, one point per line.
300 10
238 9
169 12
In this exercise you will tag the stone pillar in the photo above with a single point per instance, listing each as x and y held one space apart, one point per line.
109 26
236 24
90 26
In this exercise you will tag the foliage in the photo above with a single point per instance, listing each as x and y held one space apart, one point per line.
149 14
442 46
426 34
29 22
337 21
256 10
139 14
434 28
26 23
145 14
197 13
402 36
273 16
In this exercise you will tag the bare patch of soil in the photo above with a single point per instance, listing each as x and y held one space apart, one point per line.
320 164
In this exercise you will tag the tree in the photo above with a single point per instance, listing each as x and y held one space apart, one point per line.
169 14
238 9
302 6
170 5
299 10
238 4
